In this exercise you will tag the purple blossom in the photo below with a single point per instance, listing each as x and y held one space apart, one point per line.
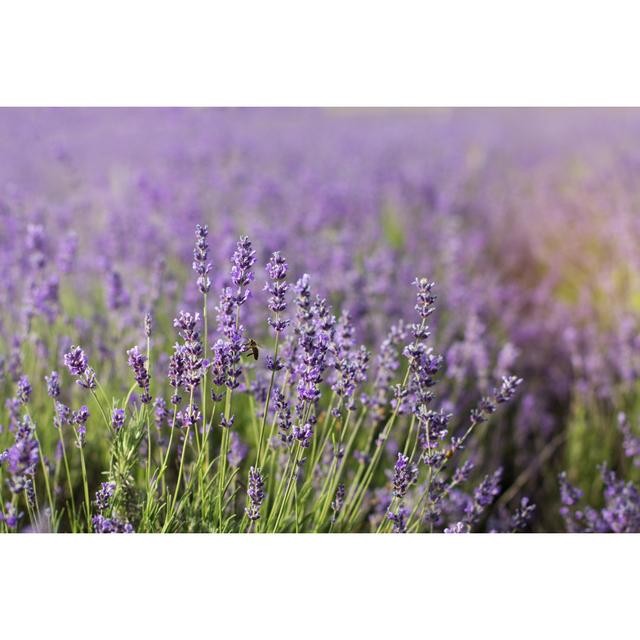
303 434
104 495
62 415
404 475
117 419
277 288
523 514
137 363
53 384
177 372
10 516
191 351
24 390
241 275
148 324
22 457
80 418
110 525
189 417
226 424
255 493
399 519
200 255
76 361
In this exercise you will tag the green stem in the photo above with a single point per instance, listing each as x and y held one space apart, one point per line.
265 413
87 501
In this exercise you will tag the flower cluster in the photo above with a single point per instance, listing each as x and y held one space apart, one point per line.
137 361
255 493
277 288
200 255
77 363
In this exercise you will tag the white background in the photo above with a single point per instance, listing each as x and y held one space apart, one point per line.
334 52
482 52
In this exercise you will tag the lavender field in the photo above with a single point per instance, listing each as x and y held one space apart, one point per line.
230 320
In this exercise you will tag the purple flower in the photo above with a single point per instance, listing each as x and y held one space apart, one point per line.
190 416
148 324
200 255
399 519
191 351
255 493
104 495
76 361
53 384
523 514
283 411
10 516
137 362
488 489
404 475
226 424
177 372
569 495
483 495
23 456
425 298
63 415
303 435
277 288
80 418
507 389
241 275
117 419
110 525
24 390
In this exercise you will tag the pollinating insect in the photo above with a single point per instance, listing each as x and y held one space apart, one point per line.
251 349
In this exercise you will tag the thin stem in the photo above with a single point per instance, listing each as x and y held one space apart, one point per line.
265 413
87 502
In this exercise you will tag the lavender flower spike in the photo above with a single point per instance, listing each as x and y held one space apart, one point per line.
255 492
277 288
137 363
241 275
53 384
117 419
200 255
404 474
76 361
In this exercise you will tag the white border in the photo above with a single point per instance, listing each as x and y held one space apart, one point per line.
330 53
315 586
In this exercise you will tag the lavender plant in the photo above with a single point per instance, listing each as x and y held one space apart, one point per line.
314 460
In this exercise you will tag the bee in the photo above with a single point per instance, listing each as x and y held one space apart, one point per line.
251 349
